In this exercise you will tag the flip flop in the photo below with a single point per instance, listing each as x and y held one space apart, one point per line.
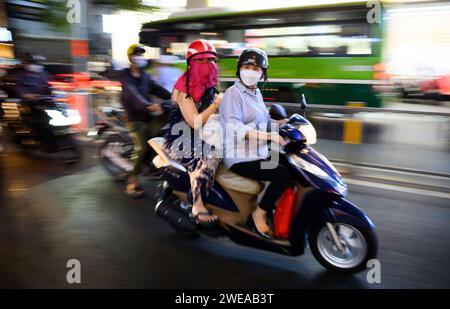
136 192
204 223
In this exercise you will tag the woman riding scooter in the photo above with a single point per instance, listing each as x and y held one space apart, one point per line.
244 111
341 236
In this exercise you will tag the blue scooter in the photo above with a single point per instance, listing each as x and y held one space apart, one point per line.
341 236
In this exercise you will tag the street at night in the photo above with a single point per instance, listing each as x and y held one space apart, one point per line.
210 152
51 213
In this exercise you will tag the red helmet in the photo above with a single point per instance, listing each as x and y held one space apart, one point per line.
200 47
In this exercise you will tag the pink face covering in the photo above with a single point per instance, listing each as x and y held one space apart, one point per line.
201 77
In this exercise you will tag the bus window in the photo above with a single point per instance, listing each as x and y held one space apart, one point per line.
323 40
293 41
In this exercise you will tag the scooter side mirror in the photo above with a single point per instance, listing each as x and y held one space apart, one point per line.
277 112
304 104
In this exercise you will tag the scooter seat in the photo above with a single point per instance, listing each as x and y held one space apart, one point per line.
224 177
162 159
235 182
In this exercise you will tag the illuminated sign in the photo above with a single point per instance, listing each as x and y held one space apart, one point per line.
5 35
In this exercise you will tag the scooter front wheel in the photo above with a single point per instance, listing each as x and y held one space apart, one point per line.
115 156
358 246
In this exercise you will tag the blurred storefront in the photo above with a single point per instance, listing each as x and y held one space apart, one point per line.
417 48
418 39
61 47
6 41
123 27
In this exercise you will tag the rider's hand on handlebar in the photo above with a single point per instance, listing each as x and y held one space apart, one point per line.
275 137
155 108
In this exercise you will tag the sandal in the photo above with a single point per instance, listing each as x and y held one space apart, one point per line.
204 223
135 192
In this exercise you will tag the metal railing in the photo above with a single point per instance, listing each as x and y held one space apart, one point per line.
404 145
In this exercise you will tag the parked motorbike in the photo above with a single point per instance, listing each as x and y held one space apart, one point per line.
43 125
117 146
341 236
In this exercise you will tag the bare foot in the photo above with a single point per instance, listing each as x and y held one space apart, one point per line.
202 214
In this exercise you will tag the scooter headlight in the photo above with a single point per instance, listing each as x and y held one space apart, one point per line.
59 119
338 187
309 167
309 132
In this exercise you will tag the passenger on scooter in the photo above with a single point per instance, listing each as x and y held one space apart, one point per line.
243 110
137 85
196 100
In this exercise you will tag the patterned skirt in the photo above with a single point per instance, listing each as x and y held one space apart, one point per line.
201 162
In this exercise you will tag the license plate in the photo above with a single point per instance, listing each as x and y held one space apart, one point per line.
61 132
93 132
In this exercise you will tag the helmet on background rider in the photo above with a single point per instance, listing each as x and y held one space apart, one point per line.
32 62
135 49
32 58
253 56
135 54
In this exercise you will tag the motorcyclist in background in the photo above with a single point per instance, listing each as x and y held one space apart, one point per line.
31 85
137 86
32 80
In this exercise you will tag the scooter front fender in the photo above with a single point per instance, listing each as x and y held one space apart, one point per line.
319 207
344 211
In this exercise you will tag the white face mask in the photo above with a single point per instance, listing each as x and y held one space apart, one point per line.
139 61
37 68
250 77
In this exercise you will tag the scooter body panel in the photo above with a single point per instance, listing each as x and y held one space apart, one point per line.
217 196
307 161
319 207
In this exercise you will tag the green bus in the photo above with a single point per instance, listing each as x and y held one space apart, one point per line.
331 53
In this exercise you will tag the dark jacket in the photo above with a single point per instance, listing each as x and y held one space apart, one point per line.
136 93
32 82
